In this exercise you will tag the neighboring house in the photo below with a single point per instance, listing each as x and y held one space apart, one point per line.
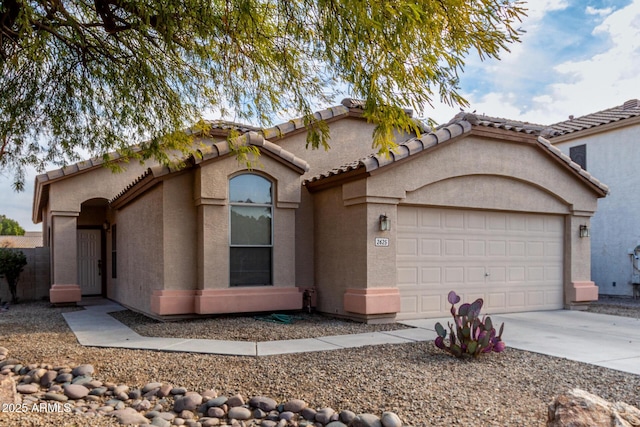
607 144
482 206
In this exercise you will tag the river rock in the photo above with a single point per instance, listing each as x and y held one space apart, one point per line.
75 391
190 401
236 400
64 378
308 414
28 388
239 413
165 390
295 405
82 370
324 415
265 403
389 419
366 420
347 416
150 386
218 401
159 422
55 396
216 412
130 416
48 378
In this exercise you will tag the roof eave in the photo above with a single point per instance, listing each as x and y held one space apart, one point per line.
631 121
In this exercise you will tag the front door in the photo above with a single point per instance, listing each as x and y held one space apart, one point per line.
89 262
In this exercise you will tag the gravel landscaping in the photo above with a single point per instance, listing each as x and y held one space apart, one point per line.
421 384
248 328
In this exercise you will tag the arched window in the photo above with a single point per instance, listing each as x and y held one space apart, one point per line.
251 230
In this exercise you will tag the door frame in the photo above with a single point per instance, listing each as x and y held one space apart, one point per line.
103 250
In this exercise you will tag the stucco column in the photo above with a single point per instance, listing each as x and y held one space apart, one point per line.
213 245
380 298
64 258
579 289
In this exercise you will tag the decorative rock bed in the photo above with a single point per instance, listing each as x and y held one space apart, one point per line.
75 390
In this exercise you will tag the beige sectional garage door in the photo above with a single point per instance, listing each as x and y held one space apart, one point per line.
512 260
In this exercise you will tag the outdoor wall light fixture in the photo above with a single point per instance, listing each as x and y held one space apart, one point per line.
385 223
584 231
106 225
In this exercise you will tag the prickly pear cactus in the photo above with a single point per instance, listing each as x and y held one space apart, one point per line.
469 335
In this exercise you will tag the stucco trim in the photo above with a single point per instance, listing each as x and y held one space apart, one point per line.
245 300
65 294
170 302
372 301
583 291
371 199
65 213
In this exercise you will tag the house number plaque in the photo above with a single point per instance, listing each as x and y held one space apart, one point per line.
381 241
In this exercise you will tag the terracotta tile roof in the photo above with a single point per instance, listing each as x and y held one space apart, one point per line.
625 111
225 126
461 124
211 151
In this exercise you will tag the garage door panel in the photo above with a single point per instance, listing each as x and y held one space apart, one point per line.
517 248
497 274
407 246
407 275
431 275
496 300
454 220
476 274
453 275
430 247
511 260
454 247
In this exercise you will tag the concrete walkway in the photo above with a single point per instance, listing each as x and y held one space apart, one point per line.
609 341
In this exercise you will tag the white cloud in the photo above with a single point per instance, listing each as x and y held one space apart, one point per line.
592 70
590 10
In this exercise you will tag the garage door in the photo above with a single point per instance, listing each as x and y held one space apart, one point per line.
511 260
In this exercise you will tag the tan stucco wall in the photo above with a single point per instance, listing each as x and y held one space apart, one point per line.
340 249
140 254
350 140
211 192
179 233
512 167
68 194
469 173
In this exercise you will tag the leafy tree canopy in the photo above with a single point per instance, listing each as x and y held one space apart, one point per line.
101 75
10 227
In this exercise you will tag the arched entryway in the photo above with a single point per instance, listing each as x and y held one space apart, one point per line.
93 224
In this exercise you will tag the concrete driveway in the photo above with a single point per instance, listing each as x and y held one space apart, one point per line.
599 339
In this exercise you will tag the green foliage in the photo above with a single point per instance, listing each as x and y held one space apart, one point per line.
11 264
104 75
10 227
472 336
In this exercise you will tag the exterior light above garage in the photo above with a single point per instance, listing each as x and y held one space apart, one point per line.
385 223
584 231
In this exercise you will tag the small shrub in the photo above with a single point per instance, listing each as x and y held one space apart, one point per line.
11 264
472 335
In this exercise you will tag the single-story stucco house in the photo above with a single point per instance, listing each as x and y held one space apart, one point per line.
606 144
482 206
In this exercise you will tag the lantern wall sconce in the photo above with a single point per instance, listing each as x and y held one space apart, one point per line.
584 230
385 223
106 226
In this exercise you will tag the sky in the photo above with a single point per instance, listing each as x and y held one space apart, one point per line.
577 57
